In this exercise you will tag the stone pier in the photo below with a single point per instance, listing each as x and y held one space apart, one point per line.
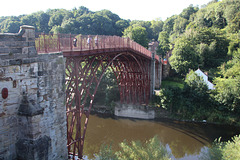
134 111
156 69
32 97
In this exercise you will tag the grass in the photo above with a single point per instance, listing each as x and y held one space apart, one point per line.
166 83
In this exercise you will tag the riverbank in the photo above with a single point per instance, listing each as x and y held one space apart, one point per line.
160 114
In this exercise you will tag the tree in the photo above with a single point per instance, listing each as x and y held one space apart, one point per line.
163 47
157 27
108 14
197 103
196 83
30 20
229 150
205 47
85 22
187 12
138 34
146 25
42 23
120 26
184 55
81 11
102 25
69 26
178 27
168 24
57 17
10 25
228 86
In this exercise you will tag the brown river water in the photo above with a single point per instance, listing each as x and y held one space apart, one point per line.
185 140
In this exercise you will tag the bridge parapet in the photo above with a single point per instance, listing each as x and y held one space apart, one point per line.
87 44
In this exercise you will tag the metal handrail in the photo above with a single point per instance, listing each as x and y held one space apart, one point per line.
50 43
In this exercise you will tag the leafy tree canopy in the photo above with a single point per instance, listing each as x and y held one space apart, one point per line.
199 47
138 34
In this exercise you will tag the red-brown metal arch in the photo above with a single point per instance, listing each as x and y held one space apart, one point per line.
87 58
136 77
84 74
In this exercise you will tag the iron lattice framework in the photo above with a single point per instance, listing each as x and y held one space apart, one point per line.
83 78
86 62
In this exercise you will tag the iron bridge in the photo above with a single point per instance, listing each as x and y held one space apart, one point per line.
87 59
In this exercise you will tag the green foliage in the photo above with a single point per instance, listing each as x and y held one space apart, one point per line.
205 47
121 25
75 21
224 150
106 153
138 34
145 24
192 101
168 24
108 90
196 95
227 88
184 55
187 12
179 26
156 27
171 98
167 83
231 150
81 11
10 24
195 82
151 149
215 152
163 47
234 44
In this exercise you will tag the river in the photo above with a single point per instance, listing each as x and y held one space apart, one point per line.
185 140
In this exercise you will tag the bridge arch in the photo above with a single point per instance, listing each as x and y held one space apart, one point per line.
33 71
83 76
86 63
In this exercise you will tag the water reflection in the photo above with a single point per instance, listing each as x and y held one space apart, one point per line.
184 140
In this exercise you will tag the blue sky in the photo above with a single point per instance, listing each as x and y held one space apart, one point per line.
127 9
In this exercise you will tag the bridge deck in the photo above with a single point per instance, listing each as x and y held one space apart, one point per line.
81 45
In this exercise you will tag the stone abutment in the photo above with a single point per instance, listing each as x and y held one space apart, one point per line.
32 98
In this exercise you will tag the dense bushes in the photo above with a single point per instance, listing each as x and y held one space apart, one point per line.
224 150
152 149
195 101
190 102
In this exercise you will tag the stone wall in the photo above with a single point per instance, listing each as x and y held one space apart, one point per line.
158 77
166 70
156 69
32 116
134 111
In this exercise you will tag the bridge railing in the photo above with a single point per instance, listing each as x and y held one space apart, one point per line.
49 43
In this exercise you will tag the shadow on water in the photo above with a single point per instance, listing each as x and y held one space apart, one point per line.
184 139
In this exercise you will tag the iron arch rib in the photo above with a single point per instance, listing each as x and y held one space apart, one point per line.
83 76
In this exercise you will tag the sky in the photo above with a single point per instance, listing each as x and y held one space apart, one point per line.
146 10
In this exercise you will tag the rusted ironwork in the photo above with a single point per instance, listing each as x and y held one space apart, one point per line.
91 44
87 59
84 74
